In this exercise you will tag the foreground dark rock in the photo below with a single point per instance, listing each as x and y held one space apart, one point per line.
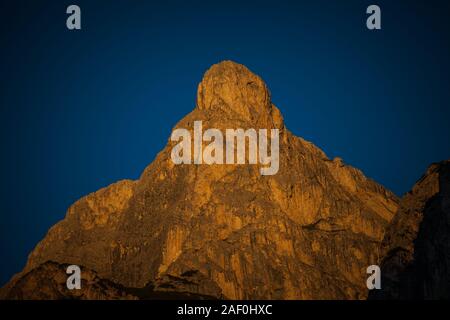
416 247
48 282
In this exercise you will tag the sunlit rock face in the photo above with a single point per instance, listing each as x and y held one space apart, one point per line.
308 232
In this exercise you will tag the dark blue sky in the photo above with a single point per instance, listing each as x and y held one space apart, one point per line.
83 109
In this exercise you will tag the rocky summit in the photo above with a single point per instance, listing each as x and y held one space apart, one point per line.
224 230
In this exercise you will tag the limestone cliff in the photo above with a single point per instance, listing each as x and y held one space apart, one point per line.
307 232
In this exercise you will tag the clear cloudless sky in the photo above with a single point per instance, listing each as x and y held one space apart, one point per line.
83 109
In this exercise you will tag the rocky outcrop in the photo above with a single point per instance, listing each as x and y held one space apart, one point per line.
48 281
416 247
307 232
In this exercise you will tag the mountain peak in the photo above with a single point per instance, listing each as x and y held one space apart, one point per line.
309 231
231 87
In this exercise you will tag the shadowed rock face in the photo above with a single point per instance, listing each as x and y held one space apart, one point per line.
416 247
48 282
307 232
